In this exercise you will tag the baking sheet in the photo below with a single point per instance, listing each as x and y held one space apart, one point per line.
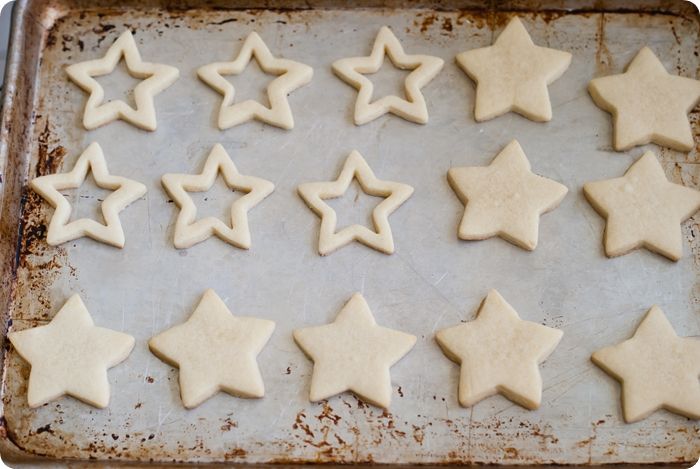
431 282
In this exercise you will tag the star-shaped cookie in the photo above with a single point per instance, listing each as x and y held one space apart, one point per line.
423 69
643 209
499 353
189 232
513 74
648 104
156 78
355 166
657 369
505 198
125 192
70 356
290 76
215 351
353 354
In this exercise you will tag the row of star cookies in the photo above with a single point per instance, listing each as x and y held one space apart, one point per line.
215 351
642 208
648 104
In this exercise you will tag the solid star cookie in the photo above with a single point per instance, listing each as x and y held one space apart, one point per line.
215 351
353 354
290 76
423 69
505 198
648 104
156 78
70 356
499 353
125 191
657 369
355 166
643 209
188 230
513 74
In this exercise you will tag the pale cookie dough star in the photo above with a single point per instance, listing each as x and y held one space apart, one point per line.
499 353
648 104
156 78
355 166
291 75
189 232
215 351
125 192
353 354
70 356
657 369
513 74
423 69
643 209
505 198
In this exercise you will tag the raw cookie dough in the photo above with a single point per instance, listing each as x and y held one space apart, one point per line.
657 369
70 356
290 76
125 192
189 232
355 166
505 198
424 69
156 78
643 209
648 104
499 353
513 74
353 354
215 351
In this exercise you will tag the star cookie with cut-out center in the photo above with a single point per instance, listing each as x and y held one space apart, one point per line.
423 69
125 191
70 356
190 231
355 166
156 78
513 75
290 76
648 104
353 354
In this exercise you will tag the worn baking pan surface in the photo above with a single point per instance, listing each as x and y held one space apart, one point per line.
432 281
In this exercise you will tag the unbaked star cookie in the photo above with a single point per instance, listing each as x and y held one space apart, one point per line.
643 209
513 74
70 356
505 198
215 351
499 353
657 369
648 104
353 354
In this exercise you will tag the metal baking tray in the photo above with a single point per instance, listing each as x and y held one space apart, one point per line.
432 281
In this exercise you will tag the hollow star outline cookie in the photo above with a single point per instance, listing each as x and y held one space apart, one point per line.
656 368
513 75
643 209
355 167
424 69
499 353
353 353
215 351
291 75
70 356
125 191
505 198
648 104
190 231
155 78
